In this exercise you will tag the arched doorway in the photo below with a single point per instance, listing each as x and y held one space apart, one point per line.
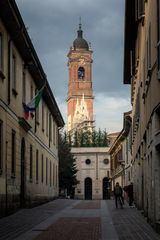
88 188
22 188
106 188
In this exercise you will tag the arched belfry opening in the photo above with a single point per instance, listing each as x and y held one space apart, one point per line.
81 73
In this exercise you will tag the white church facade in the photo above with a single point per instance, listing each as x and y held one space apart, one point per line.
93 174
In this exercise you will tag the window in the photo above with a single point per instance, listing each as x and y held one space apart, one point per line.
46 170
129 176
13 159
13 71
157 123
136 117
81 73
149 47
1 56
47 123
42 116
37 111
106 161
50 128
127 150
158 36
53 173
50 173
139 9
1 52
31 93
31 163
56 176
23 87
42 169
131 63
1 146
144 79
88 161
148 55
36 166
54 136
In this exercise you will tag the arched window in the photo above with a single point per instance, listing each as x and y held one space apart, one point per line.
81 73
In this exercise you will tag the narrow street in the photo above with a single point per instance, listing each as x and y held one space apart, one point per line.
66 219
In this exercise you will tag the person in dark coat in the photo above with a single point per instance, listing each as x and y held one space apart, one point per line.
130 194
118 195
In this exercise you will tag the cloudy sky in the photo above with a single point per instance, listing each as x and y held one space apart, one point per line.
52 26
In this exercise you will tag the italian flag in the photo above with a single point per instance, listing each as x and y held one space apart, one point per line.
33 104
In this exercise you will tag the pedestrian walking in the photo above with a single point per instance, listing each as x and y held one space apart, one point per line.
130 194
118 195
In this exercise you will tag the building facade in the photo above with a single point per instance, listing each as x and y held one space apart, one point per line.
28 148
141 71
93 174
121 156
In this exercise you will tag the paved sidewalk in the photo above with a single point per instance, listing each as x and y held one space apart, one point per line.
26 219
66 219
130 224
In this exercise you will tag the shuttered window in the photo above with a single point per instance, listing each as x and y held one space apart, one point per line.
13 159
37 166
31 163
1 52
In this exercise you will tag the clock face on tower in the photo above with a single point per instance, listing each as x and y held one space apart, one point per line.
81 73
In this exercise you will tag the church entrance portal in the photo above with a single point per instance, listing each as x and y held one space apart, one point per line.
88 188
106 188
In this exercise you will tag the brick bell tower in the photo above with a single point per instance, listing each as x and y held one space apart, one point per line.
80 93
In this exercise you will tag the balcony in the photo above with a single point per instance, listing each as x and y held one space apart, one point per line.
119 170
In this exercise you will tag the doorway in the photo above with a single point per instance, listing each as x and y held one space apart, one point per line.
22 187
106 188
88 188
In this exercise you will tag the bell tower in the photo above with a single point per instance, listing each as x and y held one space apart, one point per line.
80 93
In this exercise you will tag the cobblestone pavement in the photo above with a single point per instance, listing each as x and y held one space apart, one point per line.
73 229
80 227
66 219
88 205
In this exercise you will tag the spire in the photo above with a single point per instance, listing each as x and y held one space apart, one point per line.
80 25
80 32
80 42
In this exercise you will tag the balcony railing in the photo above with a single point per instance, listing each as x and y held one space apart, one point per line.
118 170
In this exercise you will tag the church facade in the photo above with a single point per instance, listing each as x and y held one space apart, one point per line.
93 163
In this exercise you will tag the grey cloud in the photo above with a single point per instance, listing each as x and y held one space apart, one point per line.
52 26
